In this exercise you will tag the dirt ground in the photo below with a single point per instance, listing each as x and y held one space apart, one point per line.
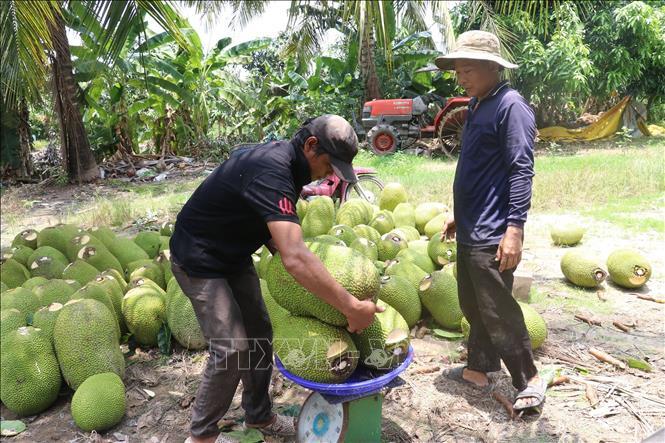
430 408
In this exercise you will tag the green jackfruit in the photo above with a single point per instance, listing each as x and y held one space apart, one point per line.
319 218
3 287
392 194
327 239
99 403
54 237
145 313
103 234
146 284
390 245
406 269
86 341
54 291
166 229
405 215
182 320
354 212
313 350
420 260
367 232
275 311
27 237
152 271
164 262
113 289
426 212
33 282
164 243
380 266
80 271
442 252
126 251
47 267
582 269
628 268
408 233
45 318
385 343
29 374
366 247
438 293
102 259
113 273
383 222
567 234
344 233
20 253
75 244
301 208
131 267
419 246
399 293
21 299
47 251
266 256
13 273
149 241
451 269
172 289
10 320
350 268
435 225
93 291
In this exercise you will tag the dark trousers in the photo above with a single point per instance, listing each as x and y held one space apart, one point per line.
497 331
235 323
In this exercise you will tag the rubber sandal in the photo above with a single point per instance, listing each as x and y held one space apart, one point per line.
283 426
536 391
456 374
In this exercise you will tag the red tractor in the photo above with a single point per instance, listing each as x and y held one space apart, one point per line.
401 123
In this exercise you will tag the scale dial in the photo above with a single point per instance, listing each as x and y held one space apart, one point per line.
320 421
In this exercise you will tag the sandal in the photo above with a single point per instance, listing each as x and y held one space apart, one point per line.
457 374
535 391
282 426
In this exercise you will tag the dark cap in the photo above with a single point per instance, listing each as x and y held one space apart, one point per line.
337 138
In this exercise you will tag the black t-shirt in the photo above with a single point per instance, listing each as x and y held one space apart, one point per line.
225 219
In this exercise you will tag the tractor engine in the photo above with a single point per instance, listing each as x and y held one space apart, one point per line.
387 122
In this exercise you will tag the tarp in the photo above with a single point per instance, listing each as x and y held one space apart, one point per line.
606 126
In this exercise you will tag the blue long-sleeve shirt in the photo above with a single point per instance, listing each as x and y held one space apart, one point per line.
492 187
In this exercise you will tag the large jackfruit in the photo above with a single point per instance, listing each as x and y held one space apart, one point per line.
21 299
392 194
45 318
99 403
54 237
103 234
406 269
367 232
441 252
47 267
628 268
126 251
383 222
426 212
10 320
114 290
75 244
54 291
86 341
29 376
421 260
166 229
144 310
366 247
94 291
20 253
566 234
102 259
27 237
355 272
182 320
80 271
384 344
582 269
149 270
354 212
408 233
399 293
47 251
149 241
13 273
389 245
438 293
404 215
319 218
344 233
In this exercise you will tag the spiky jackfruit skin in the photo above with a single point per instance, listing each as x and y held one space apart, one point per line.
117 276
344 233
113 289
47 251
80 271
392 194
146 285
389 245
10 320
367 232
126 251
354 212
24 300
149 241
27 237
407 270
164 243
100 258
131 267
582 269
327 239
13 273
163 260
75 244
3 287
408 233
441 252
628 268
405 215
419 246
99 403
399 293
182 320
54 291
303 343
275 311
383 222
319 218
47 267
94 291
30 376
350 268
20 253
54 237
435 225
166 229
145 313
149 270
366 247
378 350
86 341
266 256
438 293
45 318
103 234
172 289
420 260
566 234
33 282
426 212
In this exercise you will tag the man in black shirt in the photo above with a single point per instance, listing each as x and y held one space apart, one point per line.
249 201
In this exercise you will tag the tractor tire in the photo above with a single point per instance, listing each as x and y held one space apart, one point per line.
383 139
450 130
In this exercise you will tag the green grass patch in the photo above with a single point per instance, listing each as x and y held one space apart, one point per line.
643 213
573 299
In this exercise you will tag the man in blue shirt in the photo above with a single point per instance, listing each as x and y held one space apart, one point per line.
492 194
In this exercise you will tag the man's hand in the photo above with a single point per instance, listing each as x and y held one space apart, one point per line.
449 230
509 253
361 314
272 247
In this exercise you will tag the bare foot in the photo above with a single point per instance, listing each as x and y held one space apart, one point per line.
477 378
528 402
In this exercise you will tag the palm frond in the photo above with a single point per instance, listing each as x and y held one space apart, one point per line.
442 18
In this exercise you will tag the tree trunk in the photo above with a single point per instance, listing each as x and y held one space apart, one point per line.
368 68
77 157
25 141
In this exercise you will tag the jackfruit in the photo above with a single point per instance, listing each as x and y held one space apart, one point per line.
313 350
33 282
93 291
80 271
438 293
45 318
319 218
408 233
426 212
27 237
117 276
327 239
566 234
366 247
451 269
182 320
10 320
145 312
380 266
399 293
628 268
149 270
147 285
384 344
406 269
102 259
149 241
86 341
131 267
420 260
582 269
419 246
171 290
164 243
99 403
13 273
75 244
113 289
405 215
54 237
390 245
435 225
29 374
392 194
3 287
103 234
53 291
344 233
266 256
47 251
367 232
442 252
350 268
126 251
24 300
275 311
166 229
383 222
47 267
354 212
301 208
20 253
163 260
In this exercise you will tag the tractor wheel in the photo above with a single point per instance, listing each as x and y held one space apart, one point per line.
450 130
383 139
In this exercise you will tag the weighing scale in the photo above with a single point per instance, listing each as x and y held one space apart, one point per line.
348 412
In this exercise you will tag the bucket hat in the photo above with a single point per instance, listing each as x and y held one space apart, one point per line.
474 45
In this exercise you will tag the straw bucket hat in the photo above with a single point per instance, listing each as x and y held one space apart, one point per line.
475 45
